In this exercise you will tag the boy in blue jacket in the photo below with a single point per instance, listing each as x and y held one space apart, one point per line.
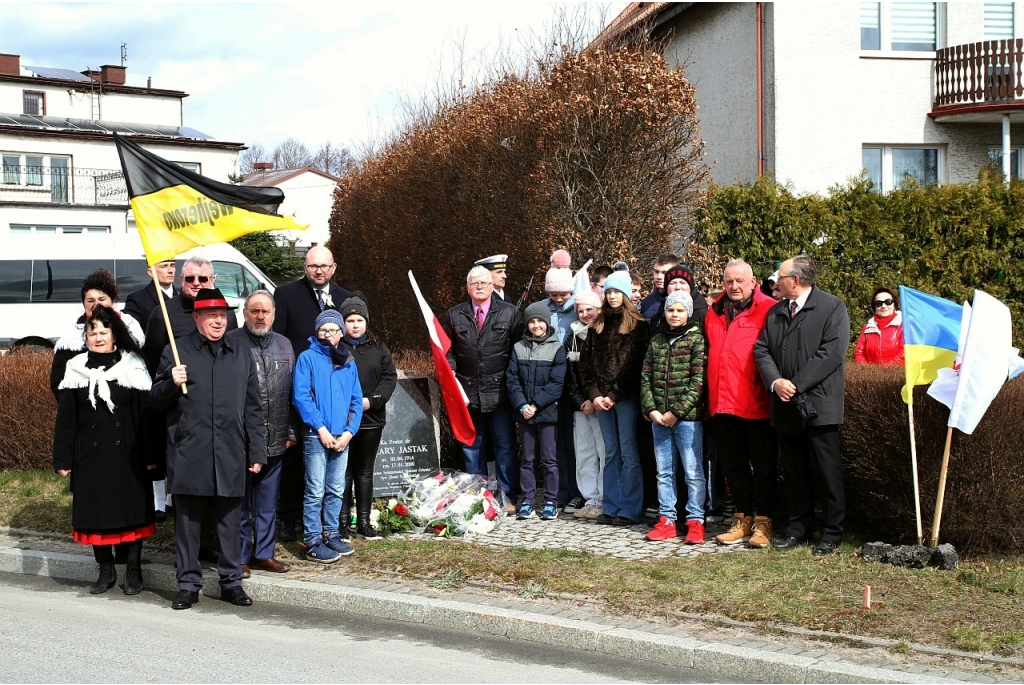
329 400
536 373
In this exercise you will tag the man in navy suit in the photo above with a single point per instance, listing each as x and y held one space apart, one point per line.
297 305
141 303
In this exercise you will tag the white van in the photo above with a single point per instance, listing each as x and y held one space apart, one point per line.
41 278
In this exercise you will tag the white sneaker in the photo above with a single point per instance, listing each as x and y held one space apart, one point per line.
590 511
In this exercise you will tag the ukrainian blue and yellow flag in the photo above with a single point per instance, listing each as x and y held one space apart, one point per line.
931 337
177 209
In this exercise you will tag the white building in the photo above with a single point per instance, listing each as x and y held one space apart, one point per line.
308 197
60 171
813 93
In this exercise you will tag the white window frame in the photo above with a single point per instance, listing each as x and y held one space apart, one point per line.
56 229
887 179
885 32
1014 173
191 166
23 172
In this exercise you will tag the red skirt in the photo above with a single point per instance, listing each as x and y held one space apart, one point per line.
114 538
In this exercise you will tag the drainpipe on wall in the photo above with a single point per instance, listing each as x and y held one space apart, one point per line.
760 94
1006 149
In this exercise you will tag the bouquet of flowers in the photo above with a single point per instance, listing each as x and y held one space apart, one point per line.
388 517
451 503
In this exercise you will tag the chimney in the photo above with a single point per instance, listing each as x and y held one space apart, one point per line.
149 82
263 166
92 73
112 75
10 65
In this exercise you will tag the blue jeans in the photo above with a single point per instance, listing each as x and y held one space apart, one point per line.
325 488
683 444
623 482
497 429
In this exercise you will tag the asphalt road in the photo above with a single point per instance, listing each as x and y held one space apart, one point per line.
55 631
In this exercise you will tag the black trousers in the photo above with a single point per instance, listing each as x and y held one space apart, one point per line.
293 485
747 456
362 455
796 451
227 519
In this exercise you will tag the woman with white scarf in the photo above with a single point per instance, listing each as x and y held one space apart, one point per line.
100 404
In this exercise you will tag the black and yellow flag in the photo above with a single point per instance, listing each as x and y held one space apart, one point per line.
177 209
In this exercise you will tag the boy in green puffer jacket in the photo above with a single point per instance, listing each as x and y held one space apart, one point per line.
672 398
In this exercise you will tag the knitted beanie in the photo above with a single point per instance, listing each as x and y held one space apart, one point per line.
329 316
679 272
537 310
680 297
588 297
558 281
621 281
355 305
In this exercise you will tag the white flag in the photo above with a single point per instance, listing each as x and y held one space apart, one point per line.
986 362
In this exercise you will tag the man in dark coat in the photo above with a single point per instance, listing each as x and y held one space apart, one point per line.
800 355
215 432
650 306
141 303
196 274
275 364
297 304
483 330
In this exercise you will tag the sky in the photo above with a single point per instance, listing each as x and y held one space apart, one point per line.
264 72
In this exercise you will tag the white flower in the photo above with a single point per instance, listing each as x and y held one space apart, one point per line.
374 516
464 503
329 300
392 503
479 524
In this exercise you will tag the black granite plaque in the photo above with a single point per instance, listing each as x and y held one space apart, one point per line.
408 446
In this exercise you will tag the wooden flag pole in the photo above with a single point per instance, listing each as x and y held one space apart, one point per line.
913 462
167 322
942 489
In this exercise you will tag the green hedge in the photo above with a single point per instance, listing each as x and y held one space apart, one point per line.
946 240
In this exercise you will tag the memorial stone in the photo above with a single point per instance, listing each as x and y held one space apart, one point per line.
409 446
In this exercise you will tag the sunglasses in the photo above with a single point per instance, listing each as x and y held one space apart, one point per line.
193 279
882 303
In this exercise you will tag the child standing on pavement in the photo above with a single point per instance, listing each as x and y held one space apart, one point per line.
536 373
672 398
588 440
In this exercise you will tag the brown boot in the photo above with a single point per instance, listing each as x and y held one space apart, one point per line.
761 534
740 530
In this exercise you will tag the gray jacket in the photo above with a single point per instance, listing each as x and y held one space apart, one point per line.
215 431
810 351
275 364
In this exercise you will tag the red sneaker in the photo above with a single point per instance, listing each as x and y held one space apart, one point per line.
694 533
663 530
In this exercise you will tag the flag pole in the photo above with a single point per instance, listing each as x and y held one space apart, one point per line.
167 322
913 462
942 489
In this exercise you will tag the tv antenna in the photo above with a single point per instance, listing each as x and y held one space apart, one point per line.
124 53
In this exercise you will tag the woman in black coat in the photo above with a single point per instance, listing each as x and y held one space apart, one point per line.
100 405
377 378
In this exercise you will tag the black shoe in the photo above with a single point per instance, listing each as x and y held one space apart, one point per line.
789 542
345 533
185 599
107 579
575 504
133 578
286 532
367 531
623 521
825 548
605 520
236 596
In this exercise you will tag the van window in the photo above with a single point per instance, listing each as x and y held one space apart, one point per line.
15 279
234 280
131 276
60 280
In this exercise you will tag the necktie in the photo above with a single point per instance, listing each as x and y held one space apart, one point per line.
479 319
792 309
320 299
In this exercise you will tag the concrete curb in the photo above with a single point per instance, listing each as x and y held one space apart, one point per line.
719 659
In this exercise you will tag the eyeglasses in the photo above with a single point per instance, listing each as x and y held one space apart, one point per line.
882 303
201 279
330 331
782 278
480 284
319 267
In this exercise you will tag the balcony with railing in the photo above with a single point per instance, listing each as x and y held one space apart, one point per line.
979 82
62 185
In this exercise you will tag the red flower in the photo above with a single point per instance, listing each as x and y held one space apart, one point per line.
439 528
490 513
401 510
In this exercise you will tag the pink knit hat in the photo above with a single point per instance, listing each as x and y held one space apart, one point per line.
559 276
587 297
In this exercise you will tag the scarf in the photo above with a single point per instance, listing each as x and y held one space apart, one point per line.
128 371
883 322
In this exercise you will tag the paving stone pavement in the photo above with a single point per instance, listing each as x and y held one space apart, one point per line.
722 645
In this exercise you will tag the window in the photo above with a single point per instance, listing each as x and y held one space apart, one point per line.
12 169
890 166
995 157
33 102
191 166
60 280
905 27
131 276
1000 20
29 229
15 280
234 280
33 170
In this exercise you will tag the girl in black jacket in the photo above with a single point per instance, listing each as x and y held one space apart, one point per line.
377 378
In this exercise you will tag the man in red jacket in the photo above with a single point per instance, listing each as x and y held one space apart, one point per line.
739 406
